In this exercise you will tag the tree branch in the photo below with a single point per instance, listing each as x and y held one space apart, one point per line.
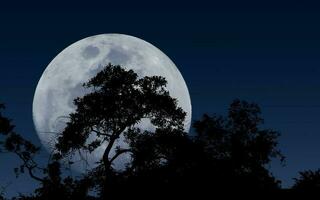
26 164
121 151
100 133
115 135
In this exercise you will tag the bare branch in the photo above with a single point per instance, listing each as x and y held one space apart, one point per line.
100 133
121 151
30 167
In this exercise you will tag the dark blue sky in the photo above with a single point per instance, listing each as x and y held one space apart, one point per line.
258 51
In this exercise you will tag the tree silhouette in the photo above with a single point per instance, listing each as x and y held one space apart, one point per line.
16 144
2 190
227 152
119 100
223 153
163 156
239 147
308 180
5 124
52 185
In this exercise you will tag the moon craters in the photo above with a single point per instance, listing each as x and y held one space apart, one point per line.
90 52
118 55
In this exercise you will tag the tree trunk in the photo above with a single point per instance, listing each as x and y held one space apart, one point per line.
108 182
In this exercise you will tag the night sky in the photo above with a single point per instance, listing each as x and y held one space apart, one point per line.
264 52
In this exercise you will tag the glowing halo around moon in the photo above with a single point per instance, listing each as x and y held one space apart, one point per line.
62 80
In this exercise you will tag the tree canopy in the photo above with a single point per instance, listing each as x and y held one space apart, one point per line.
239 147
308 180
118 101
229 152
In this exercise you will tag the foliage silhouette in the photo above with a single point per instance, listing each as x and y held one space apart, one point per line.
2 191
228 152
14 143
119 100
239 147
52 185
308 180
224 153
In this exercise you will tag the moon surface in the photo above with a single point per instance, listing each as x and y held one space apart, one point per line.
62 80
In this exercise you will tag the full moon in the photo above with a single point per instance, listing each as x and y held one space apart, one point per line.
62 81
